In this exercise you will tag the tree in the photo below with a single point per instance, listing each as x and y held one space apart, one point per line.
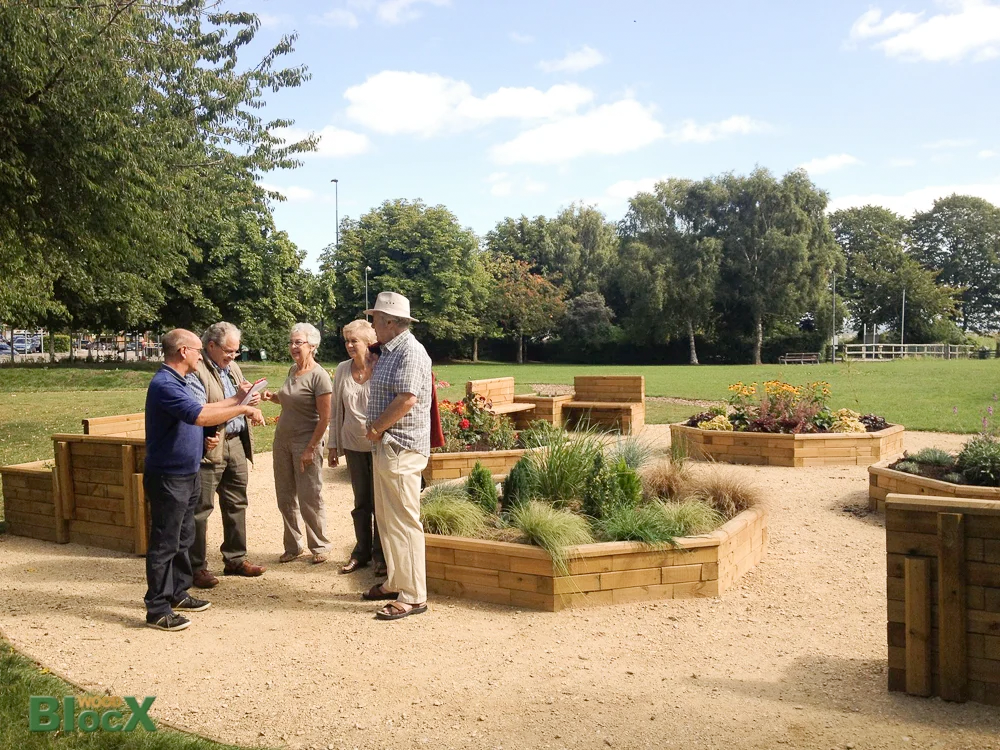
419 251
674 225
523 239
777 247
584 244
588 323
525 303
114 119
960 238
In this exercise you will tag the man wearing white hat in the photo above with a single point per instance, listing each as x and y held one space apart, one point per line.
399 424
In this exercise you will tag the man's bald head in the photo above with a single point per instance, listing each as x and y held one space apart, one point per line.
172 342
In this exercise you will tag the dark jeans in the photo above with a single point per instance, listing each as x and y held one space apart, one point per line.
361 468
172 500
229 481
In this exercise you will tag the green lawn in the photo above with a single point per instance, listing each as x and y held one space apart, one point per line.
921 394
21 678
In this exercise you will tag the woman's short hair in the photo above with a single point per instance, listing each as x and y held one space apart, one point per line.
309 331
362 329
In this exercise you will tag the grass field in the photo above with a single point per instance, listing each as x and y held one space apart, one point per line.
21 678
37 401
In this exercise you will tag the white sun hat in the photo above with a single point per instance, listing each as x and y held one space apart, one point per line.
392 304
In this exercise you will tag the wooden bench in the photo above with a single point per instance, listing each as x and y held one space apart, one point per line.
120 425
608 401
799 358
499 393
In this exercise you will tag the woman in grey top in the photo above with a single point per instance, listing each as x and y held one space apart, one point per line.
298 447
347 438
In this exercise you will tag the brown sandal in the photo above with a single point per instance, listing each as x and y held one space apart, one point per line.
399 610
377 593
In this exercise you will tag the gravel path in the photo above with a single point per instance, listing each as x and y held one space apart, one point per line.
795 656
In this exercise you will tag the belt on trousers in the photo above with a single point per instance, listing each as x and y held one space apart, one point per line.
232 435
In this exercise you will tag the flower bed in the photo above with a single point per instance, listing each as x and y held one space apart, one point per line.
973 474
454 465
764 449
605 573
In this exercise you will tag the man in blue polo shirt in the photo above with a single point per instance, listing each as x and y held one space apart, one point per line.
174 447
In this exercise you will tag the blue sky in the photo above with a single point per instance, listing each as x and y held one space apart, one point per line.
495 109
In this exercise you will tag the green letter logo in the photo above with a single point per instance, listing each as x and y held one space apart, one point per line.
42 716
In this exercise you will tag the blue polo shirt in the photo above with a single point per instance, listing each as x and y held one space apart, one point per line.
174 444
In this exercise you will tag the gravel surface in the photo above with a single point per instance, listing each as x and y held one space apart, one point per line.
794 656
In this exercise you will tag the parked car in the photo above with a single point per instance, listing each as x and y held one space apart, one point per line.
4 347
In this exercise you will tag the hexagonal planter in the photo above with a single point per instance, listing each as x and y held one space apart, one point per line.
770 449
882 480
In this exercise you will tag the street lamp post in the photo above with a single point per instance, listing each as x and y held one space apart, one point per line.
367 269
833 324
336 212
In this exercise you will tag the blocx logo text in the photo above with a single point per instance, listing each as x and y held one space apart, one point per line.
96 712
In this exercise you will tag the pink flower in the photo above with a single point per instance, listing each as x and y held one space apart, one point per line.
464 424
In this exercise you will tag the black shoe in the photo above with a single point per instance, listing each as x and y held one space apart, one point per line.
190 604
169 621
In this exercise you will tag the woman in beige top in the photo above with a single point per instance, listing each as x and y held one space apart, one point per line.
347 438
298 447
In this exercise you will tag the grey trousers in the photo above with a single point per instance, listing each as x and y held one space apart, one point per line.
368 545
300 499
229 481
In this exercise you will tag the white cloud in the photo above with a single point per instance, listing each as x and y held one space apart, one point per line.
401 11
292 193
625 189
333 142
949 143
920 199
610 129
831 163
521 38
987 153
339 17
269 21
904 162
502 185
972 29
692 132
425 104
575 62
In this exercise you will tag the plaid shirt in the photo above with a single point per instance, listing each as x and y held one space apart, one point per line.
403 367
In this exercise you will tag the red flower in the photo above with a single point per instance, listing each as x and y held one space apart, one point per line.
464 424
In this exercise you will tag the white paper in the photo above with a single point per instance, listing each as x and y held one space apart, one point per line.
257 388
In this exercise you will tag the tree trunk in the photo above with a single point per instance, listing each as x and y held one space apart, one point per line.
694 351
758 341
520 348
475 348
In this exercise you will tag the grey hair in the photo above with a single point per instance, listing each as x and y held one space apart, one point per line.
220 333
362 328
310 332
401 323
172 341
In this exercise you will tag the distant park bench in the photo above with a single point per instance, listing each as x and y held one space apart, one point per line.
499 394
799 358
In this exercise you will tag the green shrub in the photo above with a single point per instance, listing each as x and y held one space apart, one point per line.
658 523
611 486
979 461
635 452
502 437
451 513
62 343
908 467
519 486
728 493
954 477
933 457
539 433
481 488
561 469
551 529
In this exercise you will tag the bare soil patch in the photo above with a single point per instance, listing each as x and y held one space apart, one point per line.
794 657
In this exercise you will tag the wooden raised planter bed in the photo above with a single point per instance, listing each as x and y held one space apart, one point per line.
943 592
768 449
882 481
454 465
91 494
522 575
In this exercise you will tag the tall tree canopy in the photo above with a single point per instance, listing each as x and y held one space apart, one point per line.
419 251
118 121
960 238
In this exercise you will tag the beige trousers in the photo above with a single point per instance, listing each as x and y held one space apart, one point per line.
300 498
397 510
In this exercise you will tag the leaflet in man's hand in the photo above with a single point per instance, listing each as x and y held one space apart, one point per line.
257 387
